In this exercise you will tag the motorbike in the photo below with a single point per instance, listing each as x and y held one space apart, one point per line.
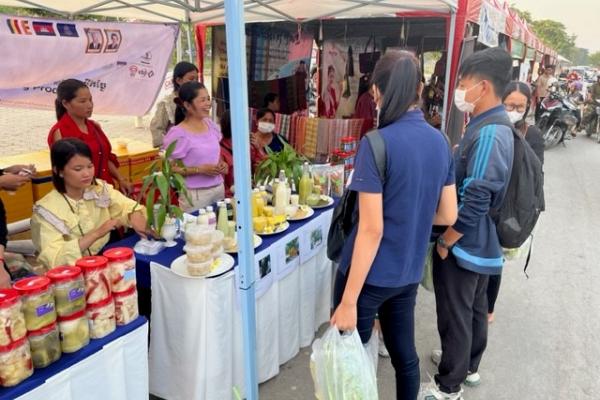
558 117
593 123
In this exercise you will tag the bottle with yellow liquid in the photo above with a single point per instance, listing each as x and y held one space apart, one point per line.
281 195
255 194
306 184
259 201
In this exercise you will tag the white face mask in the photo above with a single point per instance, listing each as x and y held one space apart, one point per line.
460 102
515 116
266 127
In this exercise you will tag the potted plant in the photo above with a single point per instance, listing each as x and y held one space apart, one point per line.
287 160
160 188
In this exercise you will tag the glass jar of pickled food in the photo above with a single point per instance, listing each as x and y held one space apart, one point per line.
102 318
121 261
97 278
38 301
12 320
45 345
69 289
126 306
15 363
74 331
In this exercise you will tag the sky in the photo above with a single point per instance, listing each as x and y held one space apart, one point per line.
580 17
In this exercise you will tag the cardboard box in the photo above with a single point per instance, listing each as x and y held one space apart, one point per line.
139 155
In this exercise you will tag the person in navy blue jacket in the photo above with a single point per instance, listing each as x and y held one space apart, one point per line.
469 251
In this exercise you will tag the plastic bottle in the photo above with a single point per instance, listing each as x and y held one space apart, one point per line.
306 184
253 197
222 221
212 216
260 202
230 211
281 198
202 217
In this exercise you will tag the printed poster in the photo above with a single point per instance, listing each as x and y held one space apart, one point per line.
122 63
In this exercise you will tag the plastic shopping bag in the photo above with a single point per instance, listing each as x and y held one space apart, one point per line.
341 368
427 281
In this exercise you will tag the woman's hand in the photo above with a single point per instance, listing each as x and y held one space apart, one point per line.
223 167
16 169
138 223
254 141
12 181
4 278
442 252
125 186
344 317
210 169
106 227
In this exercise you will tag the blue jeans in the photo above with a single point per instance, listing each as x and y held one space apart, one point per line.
396 309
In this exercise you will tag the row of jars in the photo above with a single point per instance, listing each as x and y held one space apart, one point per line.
44 316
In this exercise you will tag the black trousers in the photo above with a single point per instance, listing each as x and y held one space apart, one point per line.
538 109
492 291
461 305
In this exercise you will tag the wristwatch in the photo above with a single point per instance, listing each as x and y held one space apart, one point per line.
442 243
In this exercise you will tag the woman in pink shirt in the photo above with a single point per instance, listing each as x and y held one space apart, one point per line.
197 147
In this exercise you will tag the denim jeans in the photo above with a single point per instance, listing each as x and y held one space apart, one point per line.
395 307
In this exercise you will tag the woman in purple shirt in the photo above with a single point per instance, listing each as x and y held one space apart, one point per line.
197 147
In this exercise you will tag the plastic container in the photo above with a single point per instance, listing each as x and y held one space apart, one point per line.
69 289
45 345
12 320
74 332
348 143
197 254
121 261
102 318
199 269
38 301
126 306
198 235
15 363
97 278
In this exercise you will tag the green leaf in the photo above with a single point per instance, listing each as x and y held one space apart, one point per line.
163 187
161 217
170 149
150 208
145 186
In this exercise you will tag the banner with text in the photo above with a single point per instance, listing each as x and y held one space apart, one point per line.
122 63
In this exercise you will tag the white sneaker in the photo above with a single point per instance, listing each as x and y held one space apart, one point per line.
472 380
430 391
383 352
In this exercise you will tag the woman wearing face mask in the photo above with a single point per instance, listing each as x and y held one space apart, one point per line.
76 218
517 101
382 261
265 137
197 146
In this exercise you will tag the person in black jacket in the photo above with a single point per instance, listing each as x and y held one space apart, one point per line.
11 179
517 101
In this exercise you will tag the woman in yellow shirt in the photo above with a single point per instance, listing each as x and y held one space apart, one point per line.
76 218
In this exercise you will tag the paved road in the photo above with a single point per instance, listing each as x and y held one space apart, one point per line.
545 343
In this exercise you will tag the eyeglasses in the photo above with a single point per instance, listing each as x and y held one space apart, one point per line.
512 107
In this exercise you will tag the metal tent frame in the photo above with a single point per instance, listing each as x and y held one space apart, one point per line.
235 13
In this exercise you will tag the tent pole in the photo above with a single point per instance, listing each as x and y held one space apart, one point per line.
238 87
179 44
449 55
188 33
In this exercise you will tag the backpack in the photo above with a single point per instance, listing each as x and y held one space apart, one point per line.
345 214
524 198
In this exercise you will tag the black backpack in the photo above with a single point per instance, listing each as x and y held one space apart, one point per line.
524 199
345 214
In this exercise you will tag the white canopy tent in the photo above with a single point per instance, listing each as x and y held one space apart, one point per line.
234 14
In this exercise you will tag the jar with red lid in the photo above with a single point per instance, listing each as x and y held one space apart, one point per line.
45 345
348 143
38 301
102 318
12 320
97 278
126 306
69 289
15 363
74 331
121 261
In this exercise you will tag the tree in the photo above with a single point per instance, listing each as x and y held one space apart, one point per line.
554 34
525 15
580 56
594 59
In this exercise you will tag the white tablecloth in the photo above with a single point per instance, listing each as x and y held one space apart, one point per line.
117 372
196 347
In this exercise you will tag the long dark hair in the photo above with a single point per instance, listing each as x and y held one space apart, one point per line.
66 91
525 90
182 68
397 76
187 93
61 153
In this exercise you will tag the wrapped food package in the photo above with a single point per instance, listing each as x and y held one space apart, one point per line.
69 289
15 363
126 306
121 261
97 278
198 235
45 345
336 180
12 320
74 332
38 301
200 268
102 318
198 254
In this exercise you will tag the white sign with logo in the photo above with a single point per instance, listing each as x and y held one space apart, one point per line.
123 64
492 22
